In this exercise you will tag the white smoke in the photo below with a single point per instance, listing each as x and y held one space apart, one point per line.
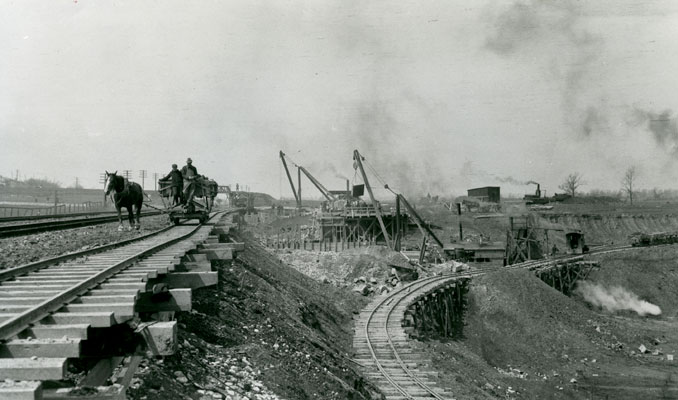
615 299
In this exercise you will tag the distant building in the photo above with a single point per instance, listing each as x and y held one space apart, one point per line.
487 193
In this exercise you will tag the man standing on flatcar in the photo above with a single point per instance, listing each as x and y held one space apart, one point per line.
175 179
190 174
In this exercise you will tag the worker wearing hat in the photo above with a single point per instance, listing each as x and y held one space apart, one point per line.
189 173
176 184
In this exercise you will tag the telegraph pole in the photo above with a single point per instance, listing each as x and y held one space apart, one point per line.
102 180
142 175
156 176
127 173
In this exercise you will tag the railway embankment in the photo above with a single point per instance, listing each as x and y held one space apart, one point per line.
264 329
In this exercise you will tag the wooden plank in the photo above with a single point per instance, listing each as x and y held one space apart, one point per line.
102 370
29 369
117 308
73 331
95 298
190 280
203 266
52 348
94 319
21 390
161 337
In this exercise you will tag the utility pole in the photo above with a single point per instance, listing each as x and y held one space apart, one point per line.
127 173
156 176
102 180
142 175
76 183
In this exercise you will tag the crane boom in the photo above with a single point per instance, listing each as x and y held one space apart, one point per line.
358 159
329 196
418 219
287 171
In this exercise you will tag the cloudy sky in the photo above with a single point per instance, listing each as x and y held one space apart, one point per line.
439 96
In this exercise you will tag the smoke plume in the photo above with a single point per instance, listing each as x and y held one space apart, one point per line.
615 299
513 181
556 33
662 126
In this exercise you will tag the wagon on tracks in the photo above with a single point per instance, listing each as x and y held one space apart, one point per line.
198 205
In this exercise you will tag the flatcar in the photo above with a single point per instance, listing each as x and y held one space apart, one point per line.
652 239
205 191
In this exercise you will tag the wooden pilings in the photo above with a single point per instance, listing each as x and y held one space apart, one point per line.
438 313
563 276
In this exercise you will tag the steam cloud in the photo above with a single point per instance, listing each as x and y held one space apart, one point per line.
615 299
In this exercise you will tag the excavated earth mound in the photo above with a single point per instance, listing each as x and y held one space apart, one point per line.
523 339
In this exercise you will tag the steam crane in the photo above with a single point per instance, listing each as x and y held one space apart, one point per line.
358 161
297 194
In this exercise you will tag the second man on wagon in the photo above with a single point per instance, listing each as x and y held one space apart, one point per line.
190 174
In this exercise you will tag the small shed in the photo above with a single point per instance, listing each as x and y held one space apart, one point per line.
488 193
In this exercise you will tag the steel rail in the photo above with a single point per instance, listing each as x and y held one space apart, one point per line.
54 216
18 323
24 229
22 269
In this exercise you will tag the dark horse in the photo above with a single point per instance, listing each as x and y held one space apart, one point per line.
127 194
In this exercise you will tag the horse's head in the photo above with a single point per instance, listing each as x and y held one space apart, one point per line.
113 181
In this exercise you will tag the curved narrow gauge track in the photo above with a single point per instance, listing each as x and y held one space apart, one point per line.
47 308
36 227
381 343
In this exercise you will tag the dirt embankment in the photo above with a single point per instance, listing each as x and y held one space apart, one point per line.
612 228
343 268
294 332
521 333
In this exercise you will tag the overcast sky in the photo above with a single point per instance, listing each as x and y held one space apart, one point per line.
439 96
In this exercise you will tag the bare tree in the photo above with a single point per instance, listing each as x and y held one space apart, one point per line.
572 183
628 181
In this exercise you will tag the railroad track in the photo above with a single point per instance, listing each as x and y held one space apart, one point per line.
24 218
50 308
381 343
36 227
